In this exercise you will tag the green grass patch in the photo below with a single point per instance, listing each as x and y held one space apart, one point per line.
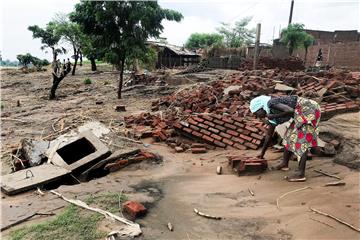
73 222
87 81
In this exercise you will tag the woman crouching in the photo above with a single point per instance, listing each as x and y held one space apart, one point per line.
302 133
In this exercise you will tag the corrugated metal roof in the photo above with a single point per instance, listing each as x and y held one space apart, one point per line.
176 49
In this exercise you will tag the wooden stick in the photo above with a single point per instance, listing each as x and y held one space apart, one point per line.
287 193
338 183
251 192
25 219
321 222
335 218
132 229
13 119
206 215
129 139
327 174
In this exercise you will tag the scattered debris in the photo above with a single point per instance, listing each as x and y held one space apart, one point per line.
25 219
120 108
170 227
131 229
219 170
287 193
326 174
251 192
134 209
239 164
335 218
338 183
206 215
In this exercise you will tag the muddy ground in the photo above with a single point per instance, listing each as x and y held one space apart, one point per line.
183 181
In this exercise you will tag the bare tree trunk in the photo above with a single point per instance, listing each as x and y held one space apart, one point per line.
56 82
121 75
93 64
76 59
305 57
80 54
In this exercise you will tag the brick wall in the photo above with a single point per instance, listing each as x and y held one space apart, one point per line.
339 55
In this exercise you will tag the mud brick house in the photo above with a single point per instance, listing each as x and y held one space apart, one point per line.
172 56
326 37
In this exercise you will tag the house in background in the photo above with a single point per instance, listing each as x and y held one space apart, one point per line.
173 56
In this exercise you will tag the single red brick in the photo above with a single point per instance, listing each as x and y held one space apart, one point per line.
238 119
134 209
177 125
255 141
227 120
214 130
225 135
193 127
228 142
206 117
216 116
197 134
203 126
192 121
198 150
209 123
251 145
197 145
205 132
221 128
245 137
239 124
231 132
257 136
230 126
219 144
198 119
252 129
238 140
187 129
217 137
207 138
218 122
246 132
239 146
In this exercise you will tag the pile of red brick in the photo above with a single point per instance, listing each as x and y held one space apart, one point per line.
224 131
121 163
292 64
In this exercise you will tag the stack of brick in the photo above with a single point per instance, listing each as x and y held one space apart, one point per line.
224 131
331 109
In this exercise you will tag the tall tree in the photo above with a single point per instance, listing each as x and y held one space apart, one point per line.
48 38
294 36
202 40
122 25
307 42
71 33
238 35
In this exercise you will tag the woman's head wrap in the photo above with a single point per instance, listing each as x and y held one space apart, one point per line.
260 102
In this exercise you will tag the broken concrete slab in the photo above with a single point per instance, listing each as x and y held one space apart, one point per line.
34 151
283 87
31 178
81 152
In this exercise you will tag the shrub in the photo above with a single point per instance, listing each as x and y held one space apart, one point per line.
87 81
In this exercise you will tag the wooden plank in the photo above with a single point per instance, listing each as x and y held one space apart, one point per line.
31 178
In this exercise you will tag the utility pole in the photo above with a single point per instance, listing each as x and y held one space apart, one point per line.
257 43
291 11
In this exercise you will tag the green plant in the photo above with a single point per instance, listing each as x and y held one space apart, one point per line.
87 81
294 36
202 40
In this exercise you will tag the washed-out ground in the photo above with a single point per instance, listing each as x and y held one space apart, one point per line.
183 181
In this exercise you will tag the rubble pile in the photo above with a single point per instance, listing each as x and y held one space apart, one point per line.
291 64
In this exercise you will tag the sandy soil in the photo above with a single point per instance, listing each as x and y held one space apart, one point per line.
182 181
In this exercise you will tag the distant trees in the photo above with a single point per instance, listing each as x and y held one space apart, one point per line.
48 38
228 36
122 26
294 36
202 40
26 59
237 35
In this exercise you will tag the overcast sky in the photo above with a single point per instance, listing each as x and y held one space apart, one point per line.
199 16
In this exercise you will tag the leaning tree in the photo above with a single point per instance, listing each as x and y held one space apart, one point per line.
48 38
122 25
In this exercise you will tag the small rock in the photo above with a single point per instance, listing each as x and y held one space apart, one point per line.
219 170
179 149
99 102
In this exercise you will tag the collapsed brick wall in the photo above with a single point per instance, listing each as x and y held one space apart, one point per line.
224 131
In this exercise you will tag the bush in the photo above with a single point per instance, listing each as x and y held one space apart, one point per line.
87 81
